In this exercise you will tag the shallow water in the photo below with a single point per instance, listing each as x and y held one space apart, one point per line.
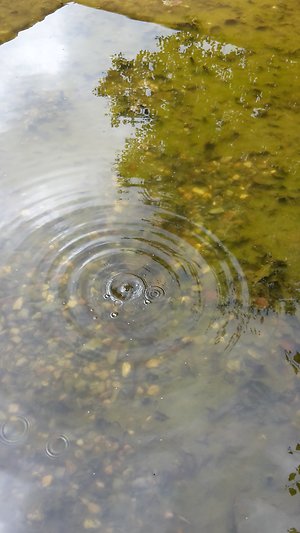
149 280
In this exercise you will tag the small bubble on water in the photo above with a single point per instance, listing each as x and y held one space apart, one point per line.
114 314
147 302
106 296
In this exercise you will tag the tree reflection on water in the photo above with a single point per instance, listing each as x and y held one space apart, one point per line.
214 143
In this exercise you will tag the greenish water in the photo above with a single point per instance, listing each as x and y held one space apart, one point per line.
149 271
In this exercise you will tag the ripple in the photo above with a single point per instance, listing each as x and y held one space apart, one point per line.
56 446
154 292
93 272
14 430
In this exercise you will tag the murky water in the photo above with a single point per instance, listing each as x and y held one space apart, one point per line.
149 279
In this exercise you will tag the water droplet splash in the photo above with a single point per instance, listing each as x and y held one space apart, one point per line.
158 275
124 287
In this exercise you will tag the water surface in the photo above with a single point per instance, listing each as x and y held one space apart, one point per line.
149 278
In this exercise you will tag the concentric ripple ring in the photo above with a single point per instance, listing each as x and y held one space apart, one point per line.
14 430
96 264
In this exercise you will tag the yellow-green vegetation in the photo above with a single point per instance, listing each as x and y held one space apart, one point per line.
21 14
217 142
270 24
294 478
